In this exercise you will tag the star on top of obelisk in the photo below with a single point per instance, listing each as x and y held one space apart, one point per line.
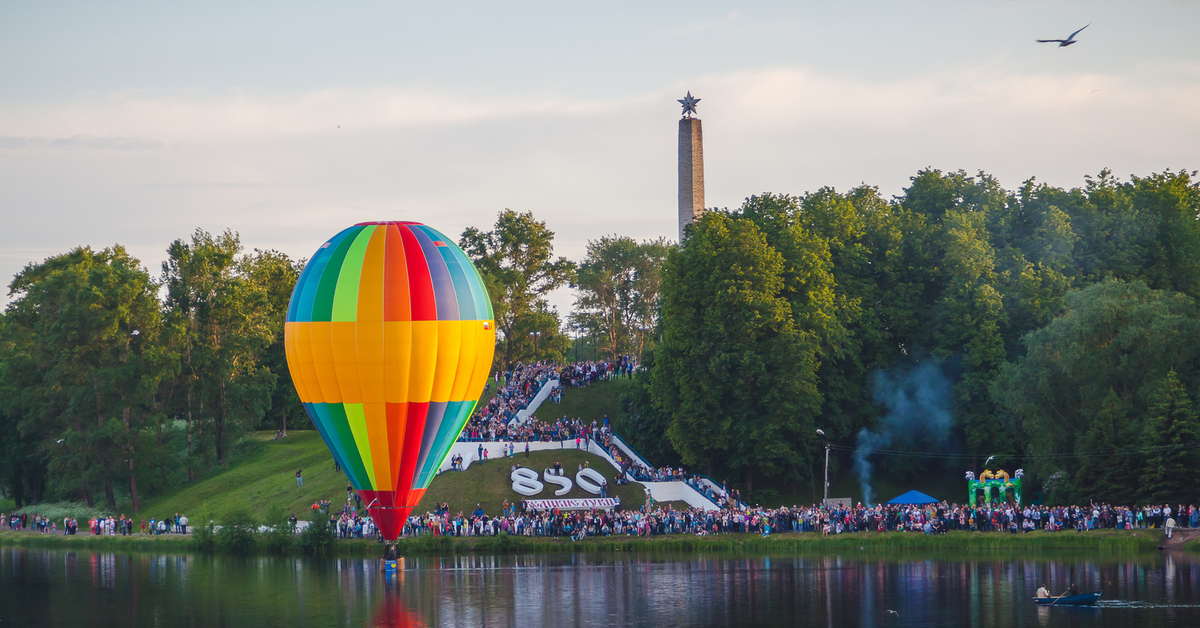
689 105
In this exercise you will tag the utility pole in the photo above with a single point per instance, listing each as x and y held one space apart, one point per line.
826 473
821 433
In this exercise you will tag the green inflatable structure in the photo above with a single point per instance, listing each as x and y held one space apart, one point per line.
995 487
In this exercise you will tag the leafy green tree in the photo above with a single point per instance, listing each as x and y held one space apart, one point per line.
275 274
733 375
86 346
1172 441
1103 474
647 283
1113 336
516 260
617 286
604 287
640 423
225 326
22 466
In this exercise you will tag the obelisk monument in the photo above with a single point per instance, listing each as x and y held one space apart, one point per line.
691 165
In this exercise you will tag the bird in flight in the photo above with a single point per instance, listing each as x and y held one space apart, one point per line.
1063 42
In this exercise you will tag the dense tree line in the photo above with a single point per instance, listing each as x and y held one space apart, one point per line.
116 382
1064 322
1065 319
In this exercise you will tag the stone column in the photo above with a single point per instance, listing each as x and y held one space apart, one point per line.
691 172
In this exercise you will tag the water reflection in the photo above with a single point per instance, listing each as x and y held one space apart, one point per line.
64 588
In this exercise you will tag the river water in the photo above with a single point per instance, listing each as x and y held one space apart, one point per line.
57 587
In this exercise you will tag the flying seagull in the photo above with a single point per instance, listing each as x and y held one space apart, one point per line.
1063 42
892 612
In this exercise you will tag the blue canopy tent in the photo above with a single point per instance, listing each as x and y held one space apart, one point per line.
913 497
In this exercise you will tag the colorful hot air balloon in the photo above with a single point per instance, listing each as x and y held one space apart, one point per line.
389 340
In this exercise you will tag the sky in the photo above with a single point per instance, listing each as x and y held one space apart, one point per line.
139 122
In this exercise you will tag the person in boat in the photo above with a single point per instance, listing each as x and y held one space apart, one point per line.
1043 592
391 551
1074 590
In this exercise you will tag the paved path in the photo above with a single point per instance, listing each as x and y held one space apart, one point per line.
1178 538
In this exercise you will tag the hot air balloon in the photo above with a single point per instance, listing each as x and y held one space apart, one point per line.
389 339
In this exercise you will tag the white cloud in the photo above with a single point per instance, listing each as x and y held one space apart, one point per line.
280 171
80 141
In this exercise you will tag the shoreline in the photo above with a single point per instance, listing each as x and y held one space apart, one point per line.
1103 541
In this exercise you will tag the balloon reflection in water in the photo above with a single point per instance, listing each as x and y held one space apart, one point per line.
393 613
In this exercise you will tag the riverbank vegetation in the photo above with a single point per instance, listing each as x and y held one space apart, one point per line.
776 544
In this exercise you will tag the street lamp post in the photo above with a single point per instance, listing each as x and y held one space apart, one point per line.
821 433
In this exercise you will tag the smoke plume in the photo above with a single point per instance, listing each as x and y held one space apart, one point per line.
917 401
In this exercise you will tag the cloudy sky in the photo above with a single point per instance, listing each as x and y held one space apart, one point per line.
136 123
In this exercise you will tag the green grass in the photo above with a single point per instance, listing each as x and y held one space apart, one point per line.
266 477
134 543
891 544
590 403
489 483
162 544
261 479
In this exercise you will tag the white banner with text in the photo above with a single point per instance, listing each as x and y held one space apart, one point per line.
602 503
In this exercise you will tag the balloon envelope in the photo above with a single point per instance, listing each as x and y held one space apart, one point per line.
389 339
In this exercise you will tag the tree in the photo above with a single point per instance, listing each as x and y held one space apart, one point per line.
1113 336
640 423
84 337
1171 440
1103 474
617 286
604 288
647 282
516 260
275 274
225 326
733 375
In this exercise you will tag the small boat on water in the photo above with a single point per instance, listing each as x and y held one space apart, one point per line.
1083 599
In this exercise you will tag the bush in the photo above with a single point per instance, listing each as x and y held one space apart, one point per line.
57 511
501 544
203 539
238 533
317 538
7 505
278 537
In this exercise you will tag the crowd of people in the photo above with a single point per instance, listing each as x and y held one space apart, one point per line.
353 525
827 520
496 420
517 389
98 526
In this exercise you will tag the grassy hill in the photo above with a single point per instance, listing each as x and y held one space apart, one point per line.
489 484
266 477
592 402
263 478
